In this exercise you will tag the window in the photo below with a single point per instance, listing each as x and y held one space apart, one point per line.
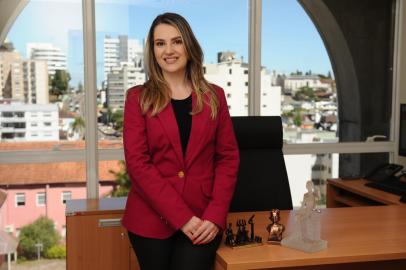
228 83
20 199
230 71
9 228
41 198
47 124
290 103
66 195
228 95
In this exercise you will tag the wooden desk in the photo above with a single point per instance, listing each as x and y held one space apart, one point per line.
358 238
355 193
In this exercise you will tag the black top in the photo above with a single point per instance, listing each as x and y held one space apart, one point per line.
182 109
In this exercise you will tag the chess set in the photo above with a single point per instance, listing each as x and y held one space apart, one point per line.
244 238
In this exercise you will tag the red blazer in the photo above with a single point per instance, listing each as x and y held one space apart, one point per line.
169 188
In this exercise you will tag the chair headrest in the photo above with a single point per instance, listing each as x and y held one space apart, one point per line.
258 131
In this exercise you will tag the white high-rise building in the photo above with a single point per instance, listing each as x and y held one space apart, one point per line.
119 80
54 56
232 75
121 49
29 122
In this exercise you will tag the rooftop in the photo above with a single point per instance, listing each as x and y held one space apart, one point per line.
53 173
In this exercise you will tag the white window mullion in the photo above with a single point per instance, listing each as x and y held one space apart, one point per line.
89 46
254 59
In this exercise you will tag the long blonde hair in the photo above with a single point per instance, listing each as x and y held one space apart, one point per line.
156 94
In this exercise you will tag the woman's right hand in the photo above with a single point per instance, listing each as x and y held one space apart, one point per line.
191 226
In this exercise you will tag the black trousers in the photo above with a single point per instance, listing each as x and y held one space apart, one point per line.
174 253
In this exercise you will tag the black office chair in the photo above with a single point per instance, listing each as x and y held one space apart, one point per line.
262 182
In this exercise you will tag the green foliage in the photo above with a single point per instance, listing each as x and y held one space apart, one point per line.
40 231
305 93
80 87
297 120
118 119
56 252
78 126
122 180
298 72
59 83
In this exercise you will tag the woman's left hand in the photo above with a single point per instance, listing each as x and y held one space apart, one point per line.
205 233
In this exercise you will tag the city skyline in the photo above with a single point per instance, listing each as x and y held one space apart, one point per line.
290 41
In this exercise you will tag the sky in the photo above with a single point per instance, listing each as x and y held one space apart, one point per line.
290 41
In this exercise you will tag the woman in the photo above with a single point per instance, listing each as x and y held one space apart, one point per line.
181 154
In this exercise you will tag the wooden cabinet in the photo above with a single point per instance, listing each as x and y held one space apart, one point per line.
354 193
95 238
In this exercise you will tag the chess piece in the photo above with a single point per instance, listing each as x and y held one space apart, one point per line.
306 236
230 236
251 222
275 229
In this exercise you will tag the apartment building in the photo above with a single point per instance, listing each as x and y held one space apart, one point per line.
28 122
54 56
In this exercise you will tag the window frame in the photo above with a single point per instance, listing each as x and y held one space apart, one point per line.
37 197
62 196
17 201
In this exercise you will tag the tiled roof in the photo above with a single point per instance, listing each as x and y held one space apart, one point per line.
53 173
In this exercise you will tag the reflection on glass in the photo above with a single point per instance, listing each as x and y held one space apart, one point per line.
296 78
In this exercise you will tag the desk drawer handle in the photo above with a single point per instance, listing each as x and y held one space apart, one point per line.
110 222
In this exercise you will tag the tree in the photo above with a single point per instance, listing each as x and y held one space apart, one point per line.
78 126
298 119
123 181
118 120
59 83
305 93
40 231
80 87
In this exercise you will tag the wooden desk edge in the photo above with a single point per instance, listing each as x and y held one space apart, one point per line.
370 193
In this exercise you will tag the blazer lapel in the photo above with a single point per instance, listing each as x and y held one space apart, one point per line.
200 123
170 126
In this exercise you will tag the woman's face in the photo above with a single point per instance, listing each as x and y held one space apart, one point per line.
169 50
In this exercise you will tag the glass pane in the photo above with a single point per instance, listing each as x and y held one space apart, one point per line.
41 108
297 81
302 43
320 167
41 78
121 30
